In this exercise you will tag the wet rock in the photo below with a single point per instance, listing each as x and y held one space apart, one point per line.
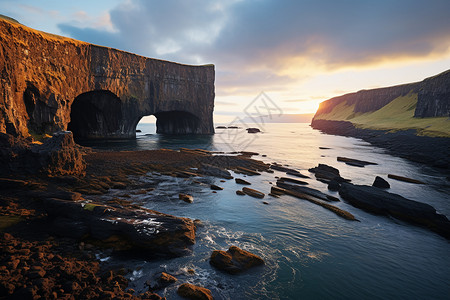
163 281
186 198
246 171
253 193
242 181
380 202
334 186
381 183
291 180
253 130
405 179
216 187
194 292
355 162
306 190
240 193
327 173
211 170
265 202
234 260
288 171
125 228
340 212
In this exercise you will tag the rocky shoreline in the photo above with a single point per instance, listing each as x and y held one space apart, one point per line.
55 226
432 151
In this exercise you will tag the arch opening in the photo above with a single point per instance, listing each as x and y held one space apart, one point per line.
177 122
146 125
96 115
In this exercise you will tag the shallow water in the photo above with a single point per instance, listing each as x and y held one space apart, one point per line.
310 252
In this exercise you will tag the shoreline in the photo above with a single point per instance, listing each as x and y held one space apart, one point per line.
430 151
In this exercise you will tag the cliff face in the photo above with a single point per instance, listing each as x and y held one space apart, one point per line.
422 106
433 98
51 83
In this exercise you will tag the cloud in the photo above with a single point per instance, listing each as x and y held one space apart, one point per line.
268 45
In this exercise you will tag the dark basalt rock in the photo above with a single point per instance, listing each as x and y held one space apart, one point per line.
334 186
380 202
253 130
355 162
253 193
235 260
381 183
327 173
306 190
126 228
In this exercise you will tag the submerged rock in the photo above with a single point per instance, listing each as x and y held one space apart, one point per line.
381 183
380 202
234 260
194 292
405 179
186 198
211 170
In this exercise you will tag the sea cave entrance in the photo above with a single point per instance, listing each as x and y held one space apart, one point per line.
147 125
96 115
177 122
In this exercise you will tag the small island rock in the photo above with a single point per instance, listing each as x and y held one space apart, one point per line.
235 260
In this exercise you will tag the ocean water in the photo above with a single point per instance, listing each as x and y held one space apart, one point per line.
310 253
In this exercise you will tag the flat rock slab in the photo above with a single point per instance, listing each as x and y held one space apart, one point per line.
253 193
242 181
131 228
355 162
327 173
405 179
306 190
378 201
234 260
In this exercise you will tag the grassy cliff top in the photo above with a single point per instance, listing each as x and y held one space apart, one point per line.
397 115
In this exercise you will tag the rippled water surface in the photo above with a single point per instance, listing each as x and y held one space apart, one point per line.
310 252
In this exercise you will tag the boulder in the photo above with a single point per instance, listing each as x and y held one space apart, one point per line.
194 292
380 202
381 183
334 186
234 260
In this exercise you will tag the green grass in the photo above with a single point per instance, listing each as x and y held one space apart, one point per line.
396 115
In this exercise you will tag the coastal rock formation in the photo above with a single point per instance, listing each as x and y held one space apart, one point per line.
57 156
51 83
234 260
378 201
194 292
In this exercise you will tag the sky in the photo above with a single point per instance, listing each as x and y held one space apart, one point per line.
298 53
